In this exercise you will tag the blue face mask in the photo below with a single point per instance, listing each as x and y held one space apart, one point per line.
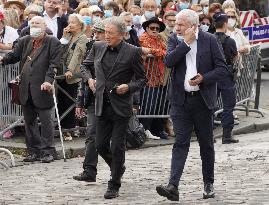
129 28
182 6
149 14
205 10
108 13
87 20
105 1
204 28
94 2
180 37
136 20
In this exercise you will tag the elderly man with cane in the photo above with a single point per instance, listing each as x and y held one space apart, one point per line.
39 56
119 73
197 64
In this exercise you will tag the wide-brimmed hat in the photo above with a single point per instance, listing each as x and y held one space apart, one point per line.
20 3
154 20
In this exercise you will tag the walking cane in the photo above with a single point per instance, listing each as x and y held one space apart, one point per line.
58 120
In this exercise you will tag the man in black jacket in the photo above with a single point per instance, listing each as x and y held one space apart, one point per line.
115 63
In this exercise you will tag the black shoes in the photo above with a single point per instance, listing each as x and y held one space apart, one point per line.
111 193
84 177
227 137
47 158
31 158
170 192
208 191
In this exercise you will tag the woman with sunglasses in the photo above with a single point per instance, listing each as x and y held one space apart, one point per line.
235 33
152 95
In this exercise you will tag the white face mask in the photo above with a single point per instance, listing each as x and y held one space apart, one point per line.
180 37
204 28
231 23
35 32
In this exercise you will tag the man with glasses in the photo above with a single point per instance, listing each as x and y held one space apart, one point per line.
119 73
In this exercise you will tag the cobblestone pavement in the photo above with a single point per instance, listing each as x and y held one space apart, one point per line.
241 177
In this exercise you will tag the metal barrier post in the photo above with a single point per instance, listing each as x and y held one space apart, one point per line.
258 85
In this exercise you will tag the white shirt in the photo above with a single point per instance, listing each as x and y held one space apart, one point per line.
240 40
10 36
191 70
51 23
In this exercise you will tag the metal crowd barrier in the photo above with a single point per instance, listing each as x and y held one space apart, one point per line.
154 101
153 98
10 114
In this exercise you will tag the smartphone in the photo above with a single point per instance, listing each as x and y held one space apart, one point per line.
194 78
114 88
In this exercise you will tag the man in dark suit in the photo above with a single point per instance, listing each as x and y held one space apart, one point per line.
39 56
197 64
119 73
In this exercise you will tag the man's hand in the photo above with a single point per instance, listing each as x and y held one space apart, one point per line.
122 89
189 35
145 51
92 84
68 75
46 86
79 111
198 80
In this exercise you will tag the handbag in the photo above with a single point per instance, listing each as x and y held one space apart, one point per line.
135 136
15 93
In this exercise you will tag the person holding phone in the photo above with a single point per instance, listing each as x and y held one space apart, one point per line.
54 21
197 64
74 48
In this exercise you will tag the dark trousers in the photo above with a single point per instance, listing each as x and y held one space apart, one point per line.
111 126
36 142
64 103
227 91
193 114
91 155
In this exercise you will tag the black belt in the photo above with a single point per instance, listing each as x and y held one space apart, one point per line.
192 93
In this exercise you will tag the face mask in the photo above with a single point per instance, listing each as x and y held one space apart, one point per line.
105 1
180 37
183 6
39 8
35 32
128 28
108 13
149 14
136 20
93 2
87 20
204 28
205 10
64 41
231 23
95 19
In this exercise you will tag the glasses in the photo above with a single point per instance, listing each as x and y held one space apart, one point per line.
154 28
231 17
203 23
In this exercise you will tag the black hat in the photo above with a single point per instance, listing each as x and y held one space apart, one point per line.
220 17
154 20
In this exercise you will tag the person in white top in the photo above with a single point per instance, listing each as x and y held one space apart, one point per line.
7 35
235 33
51 15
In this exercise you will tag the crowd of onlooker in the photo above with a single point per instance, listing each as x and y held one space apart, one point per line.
79 23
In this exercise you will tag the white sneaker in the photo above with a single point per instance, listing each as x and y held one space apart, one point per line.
151 136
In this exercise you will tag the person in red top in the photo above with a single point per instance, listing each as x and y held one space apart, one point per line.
151 97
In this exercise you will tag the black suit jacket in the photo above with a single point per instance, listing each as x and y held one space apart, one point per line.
40 68
210 64
129 64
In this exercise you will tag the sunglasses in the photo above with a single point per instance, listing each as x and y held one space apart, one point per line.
154 28
203 23
231 17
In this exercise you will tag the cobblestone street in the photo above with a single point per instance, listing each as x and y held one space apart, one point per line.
241 177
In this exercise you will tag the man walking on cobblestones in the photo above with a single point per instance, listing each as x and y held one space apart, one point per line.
198 64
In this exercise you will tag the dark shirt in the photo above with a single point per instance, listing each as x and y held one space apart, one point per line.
108 61
133 40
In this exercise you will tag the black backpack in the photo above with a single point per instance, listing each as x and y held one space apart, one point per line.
135 136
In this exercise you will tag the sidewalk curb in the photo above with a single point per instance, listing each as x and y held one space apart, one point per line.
72 152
